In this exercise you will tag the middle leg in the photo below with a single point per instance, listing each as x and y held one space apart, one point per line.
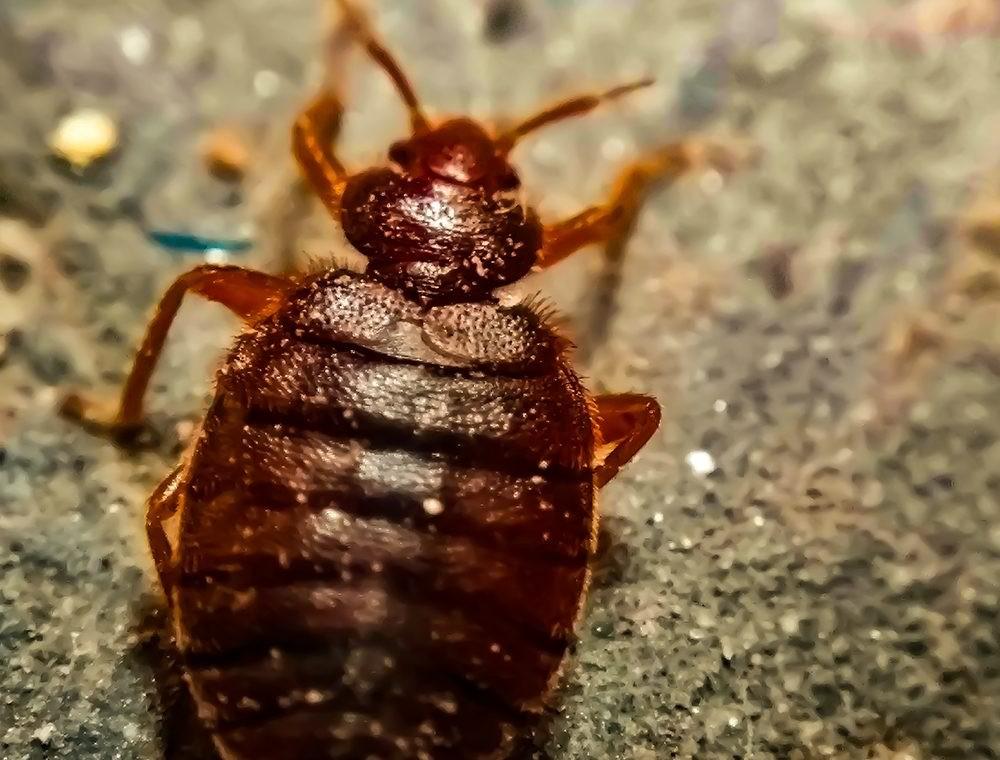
249 294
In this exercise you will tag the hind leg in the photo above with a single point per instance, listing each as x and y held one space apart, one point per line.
163 505
625 422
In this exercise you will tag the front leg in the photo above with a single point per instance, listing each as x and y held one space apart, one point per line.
316 129
611 223
250 295
313 136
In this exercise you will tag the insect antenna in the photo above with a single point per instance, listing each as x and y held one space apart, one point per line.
564 110
359 26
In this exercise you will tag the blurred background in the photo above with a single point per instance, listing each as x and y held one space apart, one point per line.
803 564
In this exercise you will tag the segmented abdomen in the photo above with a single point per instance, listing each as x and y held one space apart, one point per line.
380 557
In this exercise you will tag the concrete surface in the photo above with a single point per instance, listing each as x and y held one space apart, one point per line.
823 337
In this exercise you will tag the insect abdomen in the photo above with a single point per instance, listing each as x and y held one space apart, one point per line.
382 554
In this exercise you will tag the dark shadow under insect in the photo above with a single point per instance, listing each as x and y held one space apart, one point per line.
182 736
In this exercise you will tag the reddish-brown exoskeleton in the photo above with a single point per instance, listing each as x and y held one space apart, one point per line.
378 543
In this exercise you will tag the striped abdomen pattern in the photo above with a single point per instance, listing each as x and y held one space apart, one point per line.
385 528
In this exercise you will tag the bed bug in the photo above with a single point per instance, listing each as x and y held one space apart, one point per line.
377 544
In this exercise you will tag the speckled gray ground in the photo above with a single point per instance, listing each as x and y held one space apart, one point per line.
830 590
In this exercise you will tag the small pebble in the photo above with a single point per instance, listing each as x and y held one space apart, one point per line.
43 735
83 137
701 462
135 43
226 154
266 83
216 256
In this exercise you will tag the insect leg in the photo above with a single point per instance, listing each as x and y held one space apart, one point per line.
321 173
625 422
313 134
315 130
612 222
249 294
318 125
163 505
565 109
358 26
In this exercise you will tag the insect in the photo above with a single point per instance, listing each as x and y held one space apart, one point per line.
377 544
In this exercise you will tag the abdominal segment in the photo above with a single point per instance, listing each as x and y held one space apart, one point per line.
397 582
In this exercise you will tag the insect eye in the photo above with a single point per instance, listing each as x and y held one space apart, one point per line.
509 180
400 153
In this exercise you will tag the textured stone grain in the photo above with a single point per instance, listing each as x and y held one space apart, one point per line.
819 580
